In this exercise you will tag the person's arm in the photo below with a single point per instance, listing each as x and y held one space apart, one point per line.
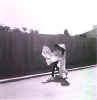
46 52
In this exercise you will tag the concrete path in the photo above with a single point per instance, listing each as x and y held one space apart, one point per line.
83 86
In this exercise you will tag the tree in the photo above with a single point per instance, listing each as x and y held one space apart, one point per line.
16 30
24 29
4 28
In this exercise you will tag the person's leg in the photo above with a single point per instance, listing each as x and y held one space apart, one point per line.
54 65
63 73
57 68
66 72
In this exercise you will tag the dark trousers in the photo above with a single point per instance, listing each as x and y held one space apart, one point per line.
54 66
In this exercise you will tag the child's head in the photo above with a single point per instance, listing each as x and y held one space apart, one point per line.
60 51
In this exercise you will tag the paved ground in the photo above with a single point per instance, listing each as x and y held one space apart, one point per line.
83 86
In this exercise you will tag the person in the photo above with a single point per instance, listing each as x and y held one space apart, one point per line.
56 59
60 64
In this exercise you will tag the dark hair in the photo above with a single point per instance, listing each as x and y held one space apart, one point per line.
57 47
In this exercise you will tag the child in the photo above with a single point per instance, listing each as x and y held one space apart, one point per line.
56 59
60 64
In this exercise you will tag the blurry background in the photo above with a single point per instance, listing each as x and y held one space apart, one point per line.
27 25
20 51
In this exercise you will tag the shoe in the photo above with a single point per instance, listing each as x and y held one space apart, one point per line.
51 78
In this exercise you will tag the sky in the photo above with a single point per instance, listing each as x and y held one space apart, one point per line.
50 16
